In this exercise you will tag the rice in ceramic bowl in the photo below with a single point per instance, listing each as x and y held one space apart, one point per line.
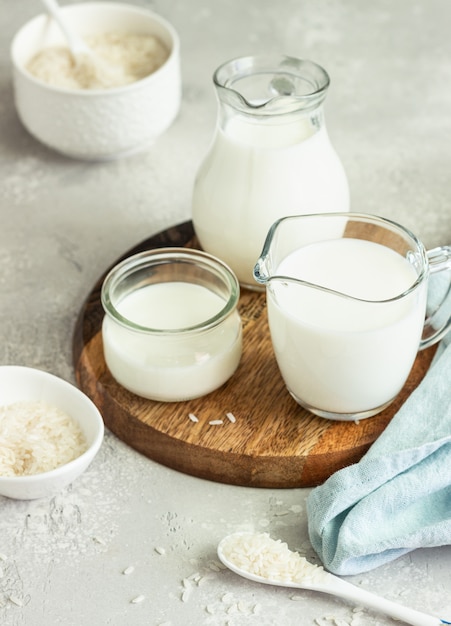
49 433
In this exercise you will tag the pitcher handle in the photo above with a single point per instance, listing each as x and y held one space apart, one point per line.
438 320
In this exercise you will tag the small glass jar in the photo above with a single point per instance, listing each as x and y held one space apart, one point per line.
171 330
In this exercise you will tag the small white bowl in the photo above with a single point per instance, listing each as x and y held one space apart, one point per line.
25 384
97 124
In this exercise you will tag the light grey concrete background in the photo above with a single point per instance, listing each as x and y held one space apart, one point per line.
63 222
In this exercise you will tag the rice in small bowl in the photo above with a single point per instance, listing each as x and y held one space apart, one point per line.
49 433
102 122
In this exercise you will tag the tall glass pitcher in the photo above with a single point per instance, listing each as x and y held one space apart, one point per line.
270 157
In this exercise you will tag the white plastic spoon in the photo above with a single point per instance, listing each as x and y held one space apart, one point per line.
81 52
313 578
76 44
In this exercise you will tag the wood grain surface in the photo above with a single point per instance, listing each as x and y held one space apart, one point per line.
274 442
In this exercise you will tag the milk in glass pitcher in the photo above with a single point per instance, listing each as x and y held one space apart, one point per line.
270 157
348 312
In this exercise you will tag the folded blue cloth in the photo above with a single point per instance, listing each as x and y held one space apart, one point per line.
398 496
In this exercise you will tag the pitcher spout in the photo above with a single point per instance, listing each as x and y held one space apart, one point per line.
257 86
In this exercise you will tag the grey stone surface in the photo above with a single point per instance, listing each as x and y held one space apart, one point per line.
63 222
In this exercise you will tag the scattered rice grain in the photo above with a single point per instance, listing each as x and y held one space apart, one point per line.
231 417
214 567
215 422
242 607
186 595
128 570
160 550
138 599
99 540
193 417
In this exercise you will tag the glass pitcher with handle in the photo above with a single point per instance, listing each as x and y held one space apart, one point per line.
270 157
351 299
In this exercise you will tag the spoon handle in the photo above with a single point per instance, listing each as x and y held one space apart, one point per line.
409 616
76 44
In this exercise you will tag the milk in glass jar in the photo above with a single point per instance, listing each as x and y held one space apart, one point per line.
270 157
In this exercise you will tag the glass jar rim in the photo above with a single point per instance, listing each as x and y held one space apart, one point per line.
165 256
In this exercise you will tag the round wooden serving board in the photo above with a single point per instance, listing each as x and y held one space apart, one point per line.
273 443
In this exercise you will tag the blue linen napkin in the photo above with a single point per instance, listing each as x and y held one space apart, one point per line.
398 496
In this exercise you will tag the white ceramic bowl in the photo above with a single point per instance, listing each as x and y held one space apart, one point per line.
97 124
25 384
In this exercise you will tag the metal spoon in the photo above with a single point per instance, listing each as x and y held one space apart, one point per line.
328 583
